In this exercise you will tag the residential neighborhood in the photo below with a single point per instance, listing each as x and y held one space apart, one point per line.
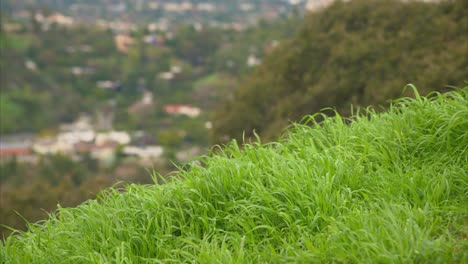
162 92
79 138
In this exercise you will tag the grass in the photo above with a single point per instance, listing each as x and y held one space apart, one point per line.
379 188
211 79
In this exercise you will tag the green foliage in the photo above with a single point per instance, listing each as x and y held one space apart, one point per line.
10 113
30 191
170 138
35 189
195 46
360 53
376 188
59 52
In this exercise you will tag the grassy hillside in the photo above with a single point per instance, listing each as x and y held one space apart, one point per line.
359 52
381 188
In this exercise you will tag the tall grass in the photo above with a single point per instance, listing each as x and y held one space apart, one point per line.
379 188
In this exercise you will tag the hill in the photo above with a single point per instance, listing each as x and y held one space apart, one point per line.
361 53
380 187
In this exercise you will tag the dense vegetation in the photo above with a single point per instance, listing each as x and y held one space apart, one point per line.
28 192
361 53
388 187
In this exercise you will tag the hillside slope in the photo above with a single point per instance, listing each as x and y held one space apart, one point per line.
381 188
360 52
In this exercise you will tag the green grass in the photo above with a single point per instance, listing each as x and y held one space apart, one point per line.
385 188
211 79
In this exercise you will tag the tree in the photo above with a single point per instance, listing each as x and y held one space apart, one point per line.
360 53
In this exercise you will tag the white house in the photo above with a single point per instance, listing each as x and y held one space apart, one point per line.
60 19
83 123
206 7
146 152
253 61
30 65
314 5
120 137
49 146
187 110
74 137
166 75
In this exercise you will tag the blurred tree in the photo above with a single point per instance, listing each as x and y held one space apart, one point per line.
361 53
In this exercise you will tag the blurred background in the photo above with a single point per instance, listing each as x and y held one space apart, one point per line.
100 92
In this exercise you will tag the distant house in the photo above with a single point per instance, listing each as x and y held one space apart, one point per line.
83 147
246 7
176 69
120 27
169 75
239 27
83 123
104 152
142 105
108 85
51 146
119 137
186 6
150 39
16 146
186 110
59 19
9 150
74 137
144 152
208 125
153 5
178 7
65 141
78 71
20 151
253 61
123 42
162 25
206 7
171 7
166 75
30 65
314 5
270 47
